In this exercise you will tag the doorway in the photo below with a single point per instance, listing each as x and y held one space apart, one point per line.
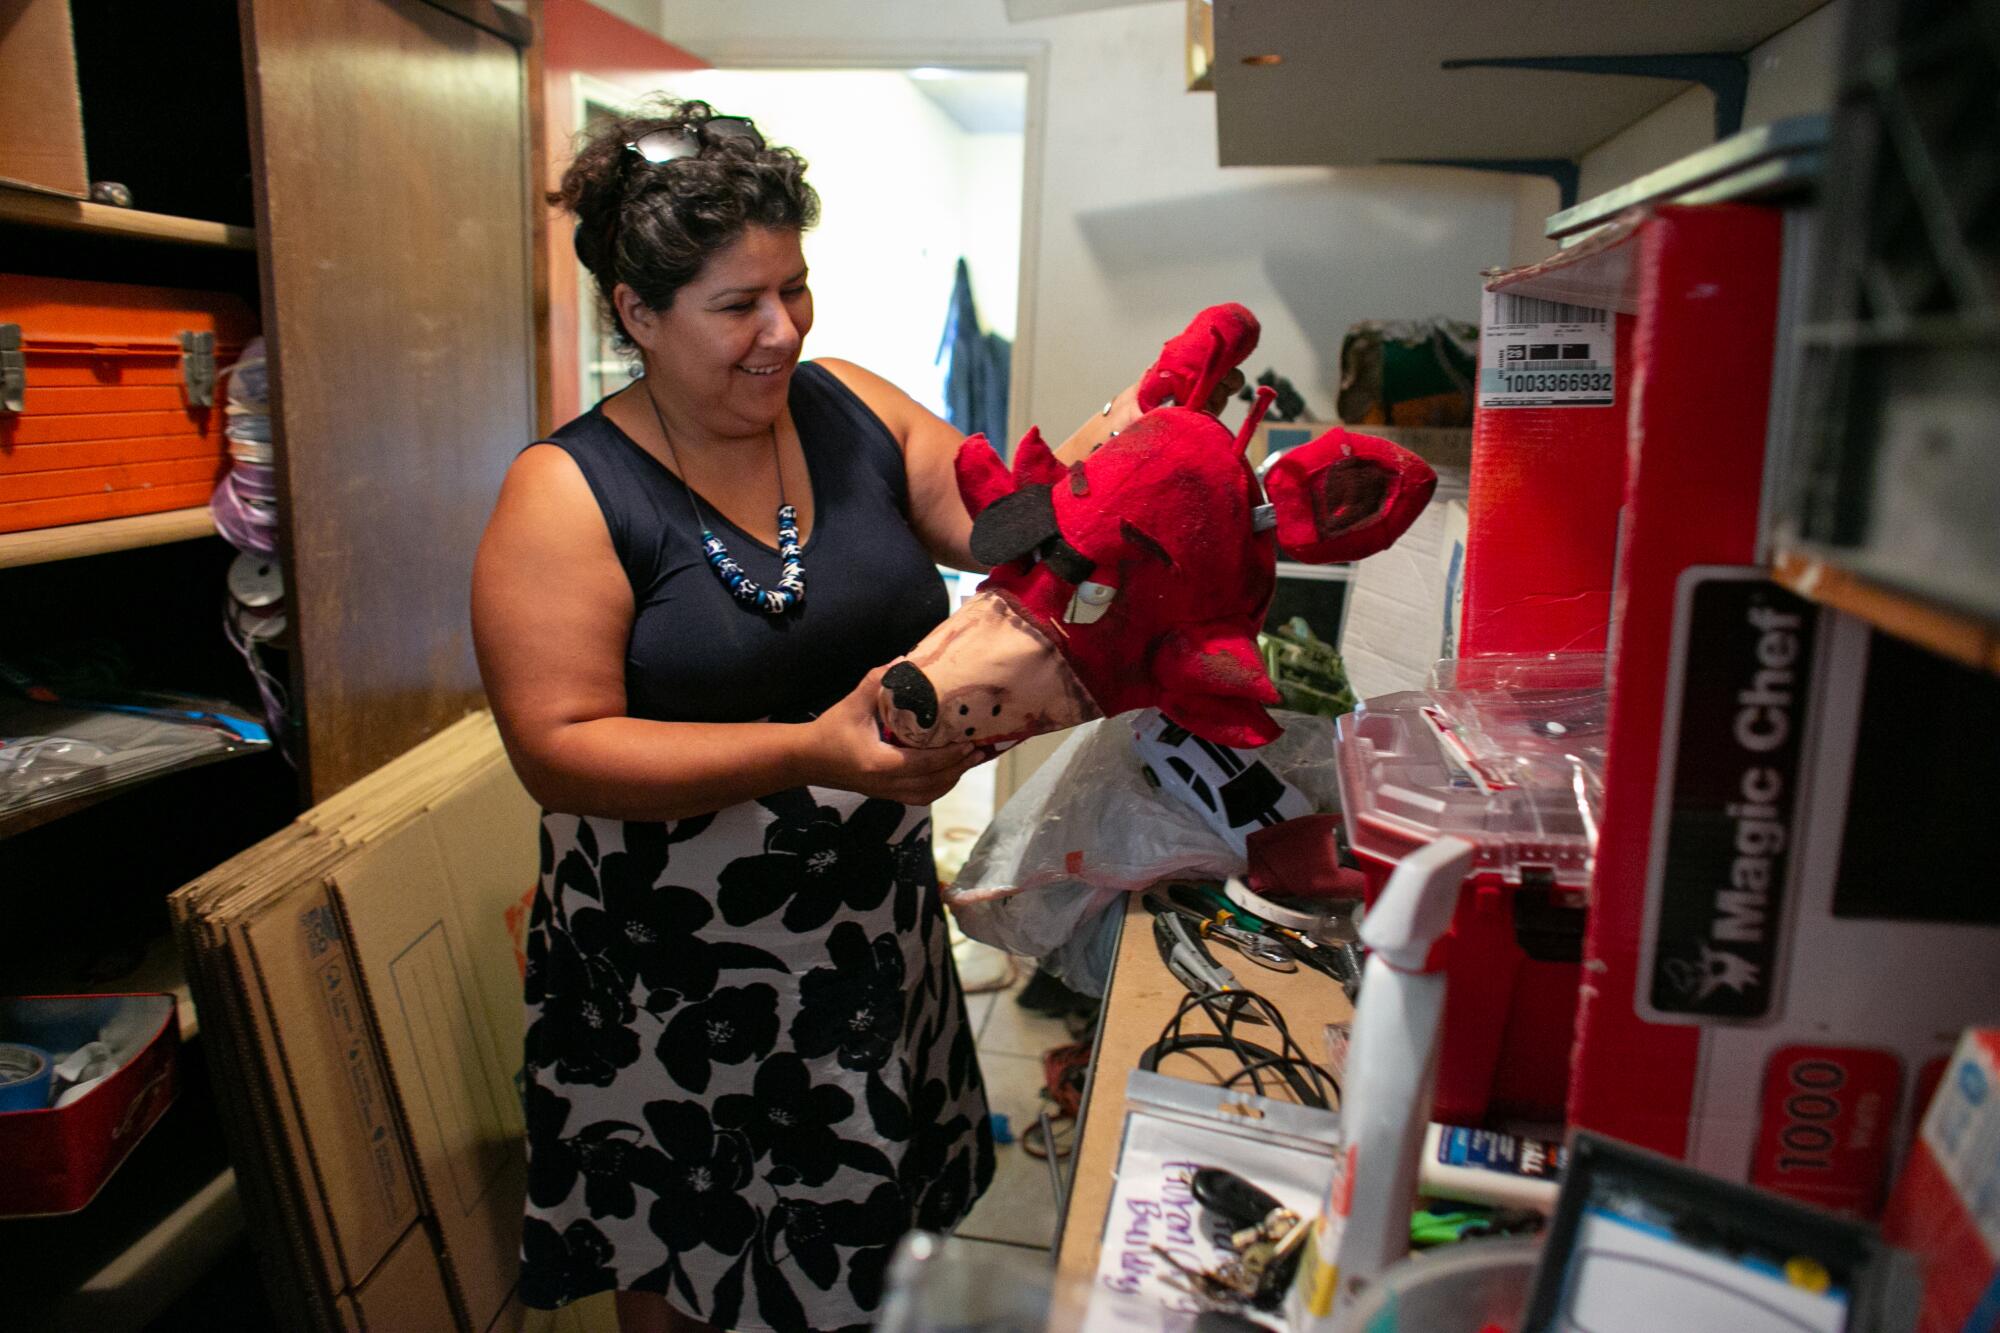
916 168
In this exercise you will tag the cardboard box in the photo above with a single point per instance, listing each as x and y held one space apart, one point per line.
361 973
1773 944
1548 457
1946 1208
1403 610
41 146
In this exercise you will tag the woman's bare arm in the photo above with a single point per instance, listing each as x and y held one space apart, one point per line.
552 614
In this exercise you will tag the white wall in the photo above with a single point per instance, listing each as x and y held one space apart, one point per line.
1137 226
1790 74
903 191
991 189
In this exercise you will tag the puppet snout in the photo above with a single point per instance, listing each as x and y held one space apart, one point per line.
985 675
911 694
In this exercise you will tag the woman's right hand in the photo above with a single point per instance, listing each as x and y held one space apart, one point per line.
844 750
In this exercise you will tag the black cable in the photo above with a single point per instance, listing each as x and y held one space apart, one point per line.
1309 1082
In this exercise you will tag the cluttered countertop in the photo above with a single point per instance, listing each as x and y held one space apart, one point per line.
1142 998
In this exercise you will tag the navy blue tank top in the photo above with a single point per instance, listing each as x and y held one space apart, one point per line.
699 655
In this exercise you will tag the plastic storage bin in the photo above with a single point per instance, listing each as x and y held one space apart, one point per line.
1507 754
1460 1289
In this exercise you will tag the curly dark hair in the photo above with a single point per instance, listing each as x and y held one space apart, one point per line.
653 225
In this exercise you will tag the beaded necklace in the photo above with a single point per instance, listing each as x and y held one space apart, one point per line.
791 589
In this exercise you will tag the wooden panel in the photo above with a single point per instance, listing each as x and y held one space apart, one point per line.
393 203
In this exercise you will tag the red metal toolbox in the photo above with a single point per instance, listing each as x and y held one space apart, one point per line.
108 399
57 1158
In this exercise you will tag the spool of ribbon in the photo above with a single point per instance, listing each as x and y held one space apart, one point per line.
25 1075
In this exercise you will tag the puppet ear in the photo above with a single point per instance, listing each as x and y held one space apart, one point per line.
1345 496
1034 465
1013 525
982 477
1194 361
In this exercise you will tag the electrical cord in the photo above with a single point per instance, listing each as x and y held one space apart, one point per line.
1309 1082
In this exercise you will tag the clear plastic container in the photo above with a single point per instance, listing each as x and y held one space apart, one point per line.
1461 1288
1507 753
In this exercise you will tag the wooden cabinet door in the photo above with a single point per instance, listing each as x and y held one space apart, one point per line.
393 226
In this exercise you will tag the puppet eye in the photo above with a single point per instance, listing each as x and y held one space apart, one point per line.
1090 603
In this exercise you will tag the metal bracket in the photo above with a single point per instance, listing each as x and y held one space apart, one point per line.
13 370
198 367
1558 169
1725 74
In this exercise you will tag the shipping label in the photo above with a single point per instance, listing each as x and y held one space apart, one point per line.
1540 353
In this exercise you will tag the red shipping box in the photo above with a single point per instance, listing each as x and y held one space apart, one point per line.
1548 451
110 420
1761 992
58 1158
1946 1208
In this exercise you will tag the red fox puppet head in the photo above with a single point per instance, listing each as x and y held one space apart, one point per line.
1139 577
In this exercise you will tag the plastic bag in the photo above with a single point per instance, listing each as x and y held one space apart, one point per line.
1083 961
1235 791
1088 827
52 751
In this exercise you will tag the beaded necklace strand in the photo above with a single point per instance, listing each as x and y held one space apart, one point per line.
791 589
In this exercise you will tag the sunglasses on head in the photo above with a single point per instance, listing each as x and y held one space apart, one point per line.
678 141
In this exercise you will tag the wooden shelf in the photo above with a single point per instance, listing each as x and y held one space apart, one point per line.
47 210
112 534
33 816
1962 637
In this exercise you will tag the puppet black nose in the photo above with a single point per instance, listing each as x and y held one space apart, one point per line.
911 691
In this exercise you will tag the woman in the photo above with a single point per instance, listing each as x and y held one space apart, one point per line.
749 1066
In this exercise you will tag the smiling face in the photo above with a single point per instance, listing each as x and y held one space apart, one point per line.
727 345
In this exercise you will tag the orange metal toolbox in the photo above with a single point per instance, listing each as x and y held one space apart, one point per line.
108 398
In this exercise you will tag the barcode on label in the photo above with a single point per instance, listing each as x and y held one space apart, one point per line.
1532 310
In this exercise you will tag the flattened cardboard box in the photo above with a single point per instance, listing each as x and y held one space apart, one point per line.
381 1152
405 1292
42 147
429 936
347 1147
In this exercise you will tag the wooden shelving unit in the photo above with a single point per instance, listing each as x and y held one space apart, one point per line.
1956 635
47 210
112 534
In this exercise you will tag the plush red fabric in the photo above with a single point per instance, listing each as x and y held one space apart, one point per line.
1161 520
1194 361
1345 496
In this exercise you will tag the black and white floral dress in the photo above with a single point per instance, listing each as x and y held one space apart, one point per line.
749 1068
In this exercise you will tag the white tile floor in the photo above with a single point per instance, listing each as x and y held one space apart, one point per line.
1019 1207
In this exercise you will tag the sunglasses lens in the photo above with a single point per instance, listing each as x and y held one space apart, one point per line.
665 145
733 129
